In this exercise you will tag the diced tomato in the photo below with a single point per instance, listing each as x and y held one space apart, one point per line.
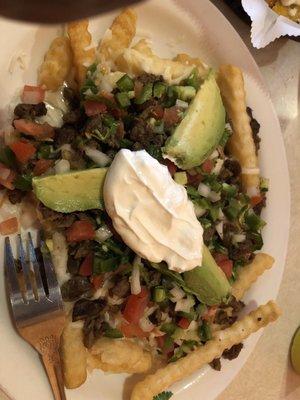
256 200
183 323
194 180
7 177
23 150
97 281
40 131
80 230
210 314
94 108
226 266
207 166
133 330
9 226
86 266
157 112
135 306
160 341
224 263
41 166
171 167
32 94
219 257
171 116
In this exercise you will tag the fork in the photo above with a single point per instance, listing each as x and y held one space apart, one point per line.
37 306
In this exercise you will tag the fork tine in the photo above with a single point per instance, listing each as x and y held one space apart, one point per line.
53 286
11 274
36 268
26 271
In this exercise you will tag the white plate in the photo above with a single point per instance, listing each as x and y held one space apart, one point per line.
198 28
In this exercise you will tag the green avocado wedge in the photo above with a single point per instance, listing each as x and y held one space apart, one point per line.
72 191
208 280
200 131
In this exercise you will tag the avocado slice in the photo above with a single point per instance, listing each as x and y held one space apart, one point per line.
208 280
72 191
201 129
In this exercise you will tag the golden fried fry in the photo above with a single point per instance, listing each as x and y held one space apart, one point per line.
222 340
196 62
84 55
241 144
56 65
119 356
118 37
73 355
250 273
140 58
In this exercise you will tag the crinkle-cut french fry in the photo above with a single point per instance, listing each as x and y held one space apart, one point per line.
119 356
241 143
56 65
196 62
249 274
140 58
222 340
73 355
118 37
83 54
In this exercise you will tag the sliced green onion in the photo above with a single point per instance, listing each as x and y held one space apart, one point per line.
253 221
205 332
146 94
159 89
125 84
185 93
229 190
23 182
168 328
123 99
159 294
113 333
101 265
193 79
232 210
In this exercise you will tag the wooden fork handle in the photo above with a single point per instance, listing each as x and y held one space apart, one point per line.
54 372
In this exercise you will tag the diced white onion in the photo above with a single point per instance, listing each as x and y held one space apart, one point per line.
214 196
178 342
150 310
184 305
228 126
204 190
252 191
181 103
218 166
219 229
193 326
103 233
62 166
238 238
199 211
65 146
115 300
177 294
135 283
97 156
145 324
221 214
214 154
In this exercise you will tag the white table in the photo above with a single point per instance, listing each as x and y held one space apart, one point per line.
268 375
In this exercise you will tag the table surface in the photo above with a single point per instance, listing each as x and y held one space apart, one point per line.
267 375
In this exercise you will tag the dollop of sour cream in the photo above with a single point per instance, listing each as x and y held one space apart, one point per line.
151 212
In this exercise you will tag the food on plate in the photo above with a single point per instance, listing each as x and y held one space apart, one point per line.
224 339
286 8
146 183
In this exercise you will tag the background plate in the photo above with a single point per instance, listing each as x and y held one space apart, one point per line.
187 26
